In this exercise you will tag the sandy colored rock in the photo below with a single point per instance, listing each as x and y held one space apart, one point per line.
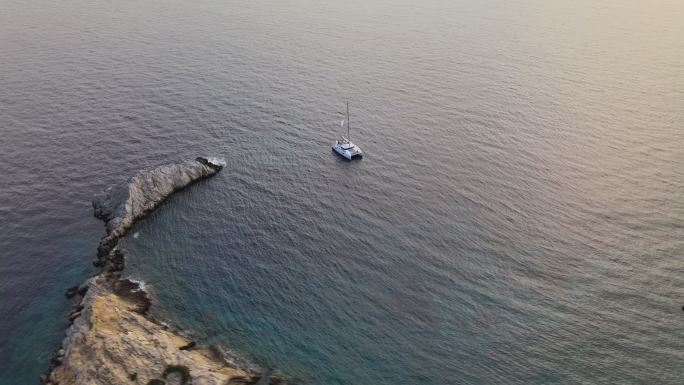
111 341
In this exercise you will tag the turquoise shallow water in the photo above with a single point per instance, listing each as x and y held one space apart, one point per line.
517 218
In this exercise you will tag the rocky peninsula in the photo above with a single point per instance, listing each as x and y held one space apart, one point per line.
112 339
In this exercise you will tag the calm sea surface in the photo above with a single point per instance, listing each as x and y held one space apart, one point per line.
518 217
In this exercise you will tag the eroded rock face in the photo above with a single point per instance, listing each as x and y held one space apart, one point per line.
111 340
112 343
122 204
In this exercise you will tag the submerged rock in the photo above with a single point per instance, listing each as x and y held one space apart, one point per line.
71 292
276 380
243 380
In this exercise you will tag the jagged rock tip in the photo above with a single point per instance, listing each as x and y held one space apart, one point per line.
121 205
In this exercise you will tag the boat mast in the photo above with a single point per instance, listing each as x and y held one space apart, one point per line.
348 136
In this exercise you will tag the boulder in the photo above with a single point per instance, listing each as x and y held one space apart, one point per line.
71 292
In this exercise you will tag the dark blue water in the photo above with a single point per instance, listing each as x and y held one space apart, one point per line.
518 217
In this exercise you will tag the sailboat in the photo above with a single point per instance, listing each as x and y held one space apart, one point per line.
344 147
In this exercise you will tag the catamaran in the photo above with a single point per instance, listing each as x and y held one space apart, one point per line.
344 147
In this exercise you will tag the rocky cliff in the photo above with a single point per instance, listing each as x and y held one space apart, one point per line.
111 339
122 204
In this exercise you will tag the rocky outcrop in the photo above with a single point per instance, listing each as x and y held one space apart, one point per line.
113 342
122 204
111 339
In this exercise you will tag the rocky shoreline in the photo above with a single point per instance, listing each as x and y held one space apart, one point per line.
112 339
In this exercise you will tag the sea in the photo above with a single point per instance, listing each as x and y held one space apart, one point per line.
517 218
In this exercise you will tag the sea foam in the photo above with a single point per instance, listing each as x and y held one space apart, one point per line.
218 161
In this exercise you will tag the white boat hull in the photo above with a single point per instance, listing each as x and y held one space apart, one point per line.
347 150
